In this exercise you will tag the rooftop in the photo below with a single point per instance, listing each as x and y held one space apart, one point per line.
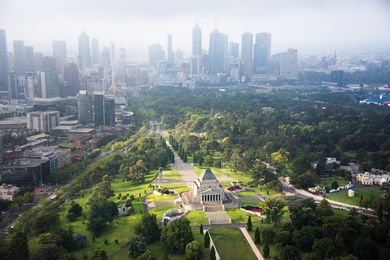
208 175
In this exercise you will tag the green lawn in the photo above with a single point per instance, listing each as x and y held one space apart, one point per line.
247 193
231 244
162 197
171 173
197 217
327 182
240 216
366 192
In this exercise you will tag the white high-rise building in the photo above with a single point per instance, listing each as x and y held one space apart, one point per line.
247 53
84 51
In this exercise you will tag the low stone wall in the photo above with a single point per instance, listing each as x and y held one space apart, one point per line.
217 257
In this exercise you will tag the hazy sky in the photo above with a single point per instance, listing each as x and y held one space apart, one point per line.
308 25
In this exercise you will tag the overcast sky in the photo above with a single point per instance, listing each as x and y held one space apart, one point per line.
308 25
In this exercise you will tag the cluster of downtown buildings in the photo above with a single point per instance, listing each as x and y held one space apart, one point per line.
224 61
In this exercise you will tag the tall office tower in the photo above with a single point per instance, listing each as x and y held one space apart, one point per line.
38 61
95 51
84 51
196 41
289 65
113 53
31 86
48 78
170 54
12 84
109 111
28 58
218 53
19 58
71 79
106 57
247 53
3 62
98 108
59 53
233 50
85 107
262 52
195 65
11 61
156 54
122 57
179 59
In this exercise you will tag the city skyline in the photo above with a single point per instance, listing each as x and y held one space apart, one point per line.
311 27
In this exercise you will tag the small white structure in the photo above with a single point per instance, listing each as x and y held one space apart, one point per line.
8 192
173 214
351 193
332 160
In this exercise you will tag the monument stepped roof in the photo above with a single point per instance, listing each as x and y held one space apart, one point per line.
208 175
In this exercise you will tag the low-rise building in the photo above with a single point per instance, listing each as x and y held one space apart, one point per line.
43 121
8 192
371 179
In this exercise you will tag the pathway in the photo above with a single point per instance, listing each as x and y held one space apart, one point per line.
251 243
185 169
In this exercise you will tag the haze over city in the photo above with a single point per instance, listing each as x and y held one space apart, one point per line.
311 26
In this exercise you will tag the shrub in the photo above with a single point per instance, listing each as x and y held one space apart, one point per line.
194 251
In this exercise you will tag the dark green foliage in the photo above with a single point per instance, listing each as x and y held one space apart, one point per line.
194 250
249 224
304 238
206 239
257 235
149 228
176 235
49 251
137 246
16 248
268 235
283 237
45 221
323 247
101 212
289 253
266 250
212 253
146 256
201 229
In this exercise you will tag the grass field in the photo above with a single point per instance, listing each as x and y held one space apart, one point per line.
366 192
240 216
171 173
327 182
231 244
162 197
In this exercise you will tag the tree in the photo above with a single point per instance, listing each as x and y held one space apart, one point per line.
101 212
146 256
266 250
137 172
137 246
194 251
212 253
334 185
323 247
274 210
49 251
289 253
75 209
149 228
206 239
249 224
324 209
268 235
176 235
45 221
283 237
304 238
18 247
201 229
257 235
104 189
99 254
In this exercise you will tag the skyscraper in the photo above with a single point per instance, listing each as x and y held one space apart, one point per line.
85 107
122 57
196 41
98 108
262 52
233 50
48 79
19 58
3 62
247 53
156 54
59 53
71 79
109 111
38 61
28 58
170 55
95 51
84 51
218 53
